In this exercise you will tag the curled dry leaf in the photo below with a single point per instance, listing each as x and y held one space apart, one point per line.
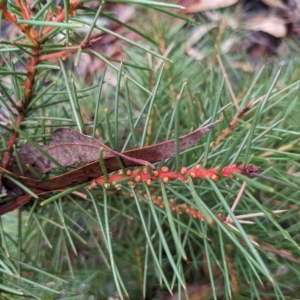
202 5
92 170
270 24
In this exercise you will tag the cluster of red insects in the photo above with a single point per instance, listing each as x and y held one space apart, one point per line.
148 176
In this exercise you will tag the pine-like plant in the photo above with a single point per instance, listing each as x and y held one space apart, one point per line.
218 220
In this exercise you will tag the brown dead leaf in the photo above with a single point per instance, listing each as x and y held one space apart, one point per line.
92 170
68 147
203 5
270 24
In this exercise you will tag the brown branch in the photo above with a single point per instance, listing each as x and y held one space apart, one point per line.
235 121
230 89
10 143
56 55
33 38
29 81
28 84
63 53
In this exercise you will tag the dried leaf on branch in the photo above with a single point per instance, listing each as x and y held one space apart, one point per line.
69 147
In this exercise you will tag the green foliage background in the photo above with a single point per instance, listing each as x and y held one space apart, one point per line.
117 243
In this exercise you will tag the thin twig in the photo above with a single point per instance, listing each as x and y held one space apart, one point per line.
234 100
236 201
